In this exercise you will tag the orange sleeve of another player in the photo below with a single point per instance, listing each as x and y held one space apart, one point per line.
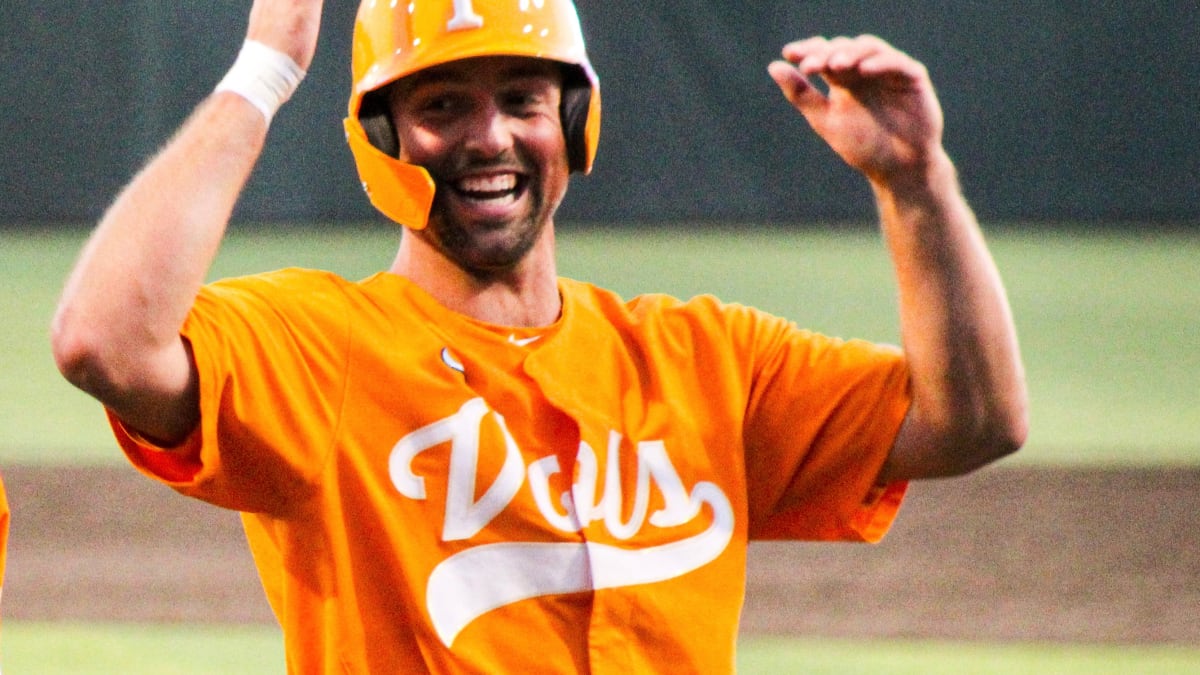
821 419
4 516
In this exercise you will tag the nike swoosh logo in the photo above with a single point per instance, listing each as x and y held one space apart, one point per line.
469 584
523 341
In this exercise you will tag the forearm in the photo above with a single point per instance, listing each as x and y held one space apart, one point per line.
116 334
956 326
127 297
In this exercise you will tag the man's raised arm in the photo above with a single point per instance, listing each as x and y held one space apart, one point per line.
882 117
116 332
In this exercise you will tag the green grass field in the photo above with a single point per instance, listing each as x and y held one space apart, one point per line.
1109 325
88 649
1108 322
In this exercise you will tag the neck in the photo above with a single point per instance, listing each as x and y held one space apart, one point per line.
525 296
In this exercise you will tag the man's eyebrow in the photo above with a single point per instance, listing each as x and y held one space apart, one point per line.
429 77
435 76
532 71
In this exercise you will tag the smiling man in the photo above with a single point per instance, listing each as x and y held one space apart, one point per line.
468 464
487 130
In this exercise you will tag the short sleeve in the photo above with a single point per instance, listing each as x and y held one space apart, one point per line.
176 466
822 417
271 352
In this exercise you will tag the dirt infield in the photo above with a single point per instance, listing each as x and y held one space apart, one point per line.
1007 553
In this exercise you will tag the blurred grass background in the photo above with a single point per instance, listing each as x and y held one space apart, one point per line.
1109 321
128 649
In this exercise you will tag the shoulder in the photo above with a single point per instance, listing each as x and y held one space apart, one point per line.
283 289
705 315
293 299
287 281
581 295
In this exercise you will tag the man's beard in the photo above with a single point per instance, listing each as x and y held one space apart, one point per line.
482 255
487 248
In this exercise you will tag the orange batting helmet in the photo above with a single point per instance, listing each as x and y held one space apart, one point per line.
393 39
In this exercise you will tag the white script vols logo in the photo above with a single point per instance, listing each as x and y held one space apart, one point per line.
521 570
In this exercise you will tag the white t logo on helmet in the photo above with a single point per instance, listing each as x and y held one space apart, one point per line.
464 17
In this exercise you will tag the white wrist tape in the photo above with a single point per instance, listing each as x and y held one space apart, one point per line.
263 76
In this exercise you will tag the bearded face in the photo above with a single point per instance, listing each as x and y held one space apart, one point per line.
488 130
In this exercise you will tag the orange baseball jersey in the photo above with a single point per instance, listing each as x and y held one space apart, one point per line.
423 492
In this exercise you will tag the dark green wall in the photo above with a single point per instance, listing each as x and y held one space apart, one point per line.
1055 112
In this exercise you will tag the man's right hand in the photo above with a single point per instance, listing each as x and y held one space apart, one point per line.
290 26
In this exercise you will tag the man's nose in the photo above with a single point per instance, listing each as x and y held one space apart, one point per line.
490 131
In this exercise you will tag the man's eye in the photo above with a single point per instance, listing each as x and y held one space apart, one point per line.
439 104
524 100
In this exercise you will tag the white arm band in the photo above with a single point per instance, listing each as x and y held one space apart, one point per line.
263 76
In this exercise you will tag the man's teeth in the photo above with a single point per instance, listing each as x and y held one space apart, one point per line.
488 185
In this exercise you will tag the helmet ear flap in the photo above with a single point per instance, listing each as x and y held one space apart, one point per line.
376 118
576 100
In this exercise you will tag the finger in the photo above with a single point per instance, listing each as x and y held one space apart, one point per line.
870 56
807 55
860 56
795 51
836 54
836 60
896 66
797 89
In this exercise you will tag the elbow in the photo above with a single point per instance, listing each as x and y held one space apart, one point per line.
954 443
1008 427
1017 431
945 436
73 353
992 438
78 352
1006 439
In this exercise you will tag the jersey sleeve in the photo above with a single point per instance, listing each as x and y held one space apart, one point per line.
271 352
821 419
